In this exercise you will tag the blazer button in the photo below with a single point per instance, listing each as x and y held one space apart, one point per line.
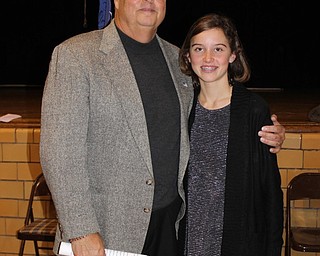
146 210
149 182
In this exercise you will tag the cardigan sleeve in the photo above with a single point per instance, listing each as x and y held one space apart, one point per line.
267 180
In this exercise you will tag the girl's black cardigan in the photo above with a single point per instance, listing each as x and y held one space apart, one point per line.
253 214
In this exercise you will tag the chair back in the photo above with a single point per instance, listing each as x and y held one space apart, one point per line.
304 186
303 238
39 189
38 229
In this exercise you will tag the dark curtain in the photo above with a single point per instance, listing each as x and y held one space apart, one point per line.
281 38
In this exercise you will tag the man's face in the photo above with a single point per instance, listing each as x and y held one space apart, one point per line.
139 14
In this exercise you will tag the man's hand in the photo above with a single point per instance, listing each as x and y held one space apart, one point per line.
273 135
90 245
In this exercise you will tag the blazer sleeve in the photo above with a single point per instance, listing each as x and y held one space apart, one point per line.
63 151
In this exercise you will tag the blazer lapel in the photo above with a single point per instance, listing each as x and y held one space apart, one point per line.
126 88
184 89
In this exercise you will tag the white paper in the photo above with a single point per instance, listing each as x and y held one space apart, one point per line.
66 250
8 117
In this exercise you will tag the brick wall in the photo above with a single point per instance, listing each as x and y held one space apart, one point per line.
300 153
19 166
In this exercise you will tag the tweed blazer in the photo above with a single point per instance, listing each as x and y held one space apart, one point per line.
94 147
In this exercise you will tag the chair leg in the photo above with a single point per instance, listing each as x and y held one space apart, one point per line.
287 250
22 247
286 246
36 248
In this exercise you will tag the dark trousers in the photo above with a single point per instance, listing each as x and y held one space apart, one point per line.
161 237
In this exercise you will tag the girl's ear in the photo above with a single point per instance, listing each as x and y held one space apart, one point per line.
232 58
188 57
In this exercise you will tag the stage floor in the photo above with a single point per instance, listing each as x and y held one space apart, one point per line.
292 107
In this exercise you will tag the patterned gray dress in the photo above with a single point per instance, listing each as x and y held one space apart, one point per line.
206 181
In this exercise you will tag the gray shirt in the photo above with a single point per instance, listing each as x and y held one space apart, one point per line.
161 108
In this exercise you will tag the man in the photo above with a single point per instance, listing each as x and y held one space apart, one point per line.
114 138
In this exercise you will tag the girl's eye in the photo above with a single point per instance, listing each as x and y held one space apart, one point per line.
218 49
197 49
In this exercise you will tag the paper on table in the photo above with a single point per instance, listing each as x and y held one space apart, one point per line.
66 250
8 117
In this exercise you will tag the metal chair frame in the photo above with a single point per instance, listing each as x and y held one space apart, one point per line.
41 229
305 186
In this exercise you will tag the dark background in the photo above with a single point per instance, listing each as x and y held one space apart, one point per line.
281 38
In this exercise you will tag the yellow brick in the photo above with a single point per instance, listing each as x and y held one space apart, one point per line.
292 141
16 152
9 244
312 159
13 224
8 207
304 217
36 135
23 206
2 226
7 135
41 209
11 189
27 189
297 253
302 203
51 211
290 158
311 141
29 248
315 203
8 171
49 252
24 135
283 173
34 153
28 171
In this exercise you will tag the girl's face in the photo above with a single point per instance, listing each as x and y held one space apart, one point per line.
210 55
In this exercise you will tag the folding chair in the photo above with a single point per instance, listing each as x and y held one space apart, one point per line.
305 235
38 229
